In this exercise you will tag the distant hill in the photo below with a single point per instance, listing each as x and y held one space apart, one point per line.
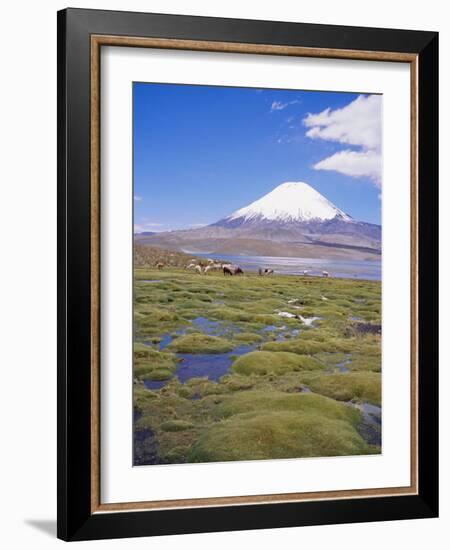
149 256
292 220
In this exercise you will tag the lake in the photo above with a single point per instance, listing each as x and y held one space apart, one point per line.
369 270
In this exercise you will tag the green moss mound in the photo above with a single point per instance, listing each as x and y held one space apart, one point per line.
276 401
155 315
142 396
241 315
159 374
356 386
150 363
331 358
177 455
248 337
176 426
230 314
141 351
200 343
362 362
265 362
236 383
310 347
277 435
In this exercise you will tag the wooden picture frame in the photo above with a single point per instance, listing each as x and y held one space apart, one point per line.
81 35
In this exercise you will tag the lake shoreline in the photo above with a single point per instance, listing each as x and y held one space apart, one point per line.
369 270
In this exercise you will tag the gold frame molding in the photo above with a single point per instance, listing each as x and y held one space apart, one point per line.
97 41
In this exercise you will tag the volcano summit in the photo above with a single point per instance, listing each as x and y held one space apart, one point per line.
290 202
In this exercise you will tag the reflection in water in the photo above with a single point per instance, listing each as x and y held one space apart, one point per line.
211 365
155 384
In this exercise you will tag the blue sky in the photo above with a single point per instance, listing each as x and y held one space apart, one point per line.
201 152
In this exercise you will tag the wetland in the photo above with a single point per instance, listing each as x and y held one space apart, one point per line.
249 367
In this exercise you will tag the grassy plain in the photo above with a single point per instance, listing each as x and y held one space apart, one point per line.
291 390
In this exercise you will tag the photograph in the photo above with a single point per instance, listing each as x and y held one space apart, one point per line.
257 273
247 286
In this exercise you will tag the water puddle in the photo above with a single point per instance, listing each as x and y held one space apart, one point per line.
155 384
370 427
202 324
287 335
215 328
211 365
270 328
280 333
167 339
342 366
196 365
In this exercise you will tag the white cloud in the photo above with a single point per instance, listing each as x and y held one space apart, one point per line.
353 163
280 105
147 226
197 224
357 124
284 139
137 198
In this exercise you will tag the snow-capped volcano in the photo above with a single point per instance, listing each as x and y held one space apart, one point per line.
292 220
289 202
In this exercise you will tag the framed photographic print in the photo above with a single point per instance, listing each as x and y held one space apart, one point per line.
247 274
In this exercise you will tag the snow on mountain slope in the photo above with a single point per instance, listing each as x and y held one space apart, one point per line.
289 202
292 220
